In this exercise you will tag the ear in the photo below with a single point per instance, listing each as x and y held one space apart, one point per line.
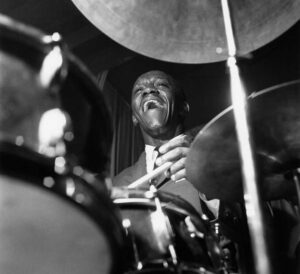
186 107
184 110
134 120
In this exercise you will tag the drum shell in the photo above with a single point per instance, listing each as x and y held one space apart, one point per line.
52 222
147 242
73 90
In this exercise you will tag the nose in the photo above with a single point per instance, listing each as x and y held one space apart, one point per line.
150 90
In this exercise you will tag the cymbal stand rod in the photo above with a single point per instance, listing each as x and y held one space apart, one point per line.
251 194
297 184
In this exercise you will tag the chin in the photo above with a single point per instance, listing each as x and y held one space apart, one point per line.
157 130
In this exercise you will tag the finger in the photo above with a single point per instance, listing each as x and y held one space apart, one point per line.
172 156
179 141
167 173
177 166
179 175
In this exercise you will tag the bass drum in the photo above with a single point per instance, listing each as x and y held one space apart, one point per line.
49 100
54 223
165 234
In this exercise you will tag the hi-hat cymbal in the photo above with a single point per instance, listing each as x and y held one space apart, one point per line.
188 31
213 164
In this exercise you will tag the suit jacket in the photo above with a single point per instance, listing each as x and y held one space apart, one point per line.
183 188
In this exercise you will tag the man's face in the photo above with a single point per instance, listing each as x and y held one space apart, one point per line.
154 103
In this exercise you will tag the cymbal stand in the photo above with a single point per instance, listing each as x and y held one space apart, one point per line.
251 194
296 180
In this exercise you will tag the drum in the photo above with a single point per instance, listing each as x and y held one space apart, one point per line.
54 223
49 100
56 217
164 234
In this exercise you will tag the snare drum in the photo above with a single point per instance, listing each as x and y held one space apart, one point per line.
53 223
165 234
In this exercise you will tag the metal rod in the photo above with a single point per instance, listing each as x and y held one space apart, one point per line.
297 184
251 194
168 228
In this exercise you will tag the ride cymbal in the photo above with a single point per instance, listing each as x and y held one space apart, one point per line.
188 31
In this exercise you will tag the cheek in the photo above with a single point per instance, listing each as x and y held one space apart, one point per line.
135 105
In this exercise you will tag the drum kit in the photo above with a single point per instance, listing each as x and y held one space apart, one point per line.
58 216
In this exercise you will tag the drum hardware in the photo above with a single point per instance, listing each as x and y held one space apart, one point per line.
163 219
192 229
296 175
228 263
216 227
54 63
194 232
54 130
245 147
126 224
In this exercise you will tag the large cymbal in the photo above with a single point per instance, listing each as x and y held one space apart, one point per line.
189 31
213 165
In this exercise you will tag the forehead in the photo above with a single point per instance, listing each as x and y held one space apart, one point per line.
153 76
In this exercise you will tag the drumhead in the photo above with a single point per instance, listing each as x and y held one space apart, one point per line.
54 223
42 233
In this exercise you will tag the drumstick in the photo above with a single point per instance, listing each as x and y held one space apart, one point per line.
150 175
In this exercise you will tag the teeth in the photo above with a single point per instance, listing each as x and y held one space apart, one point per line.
155 102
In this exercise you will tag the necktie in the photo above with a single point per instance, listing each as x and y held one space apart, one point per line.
152 154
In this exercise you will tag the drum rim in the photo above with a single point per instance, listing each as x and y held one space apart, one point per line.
124 202
124 195
96 207
183 268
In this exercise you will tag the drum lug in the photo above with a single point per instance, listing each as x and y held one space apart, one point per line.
54 64
54 130
127 226
194 232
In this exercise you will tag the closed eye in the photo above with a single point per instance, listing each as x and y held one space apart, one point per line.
138 90
163 85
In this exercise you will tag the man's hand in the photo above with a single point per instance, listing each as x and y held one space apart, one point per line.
175 151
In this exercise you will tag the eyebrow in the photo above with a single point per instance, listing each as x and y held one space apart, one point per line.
155 79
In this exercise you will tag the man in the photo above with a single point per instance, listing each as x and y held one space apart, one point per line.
159 107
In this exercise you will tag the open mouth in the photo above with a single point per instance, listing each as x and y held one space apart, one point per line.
152 104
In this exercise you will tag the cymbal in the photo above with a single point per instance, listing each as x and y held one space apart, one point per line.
188 31
213 164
